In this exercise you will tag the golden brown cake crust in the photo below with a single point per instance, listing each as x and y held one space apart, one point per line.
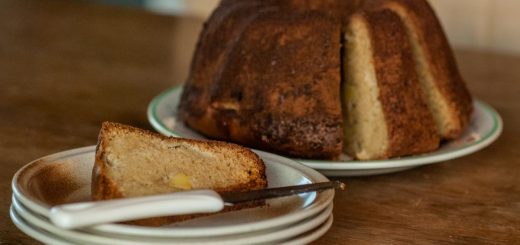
269 95
439 57
410 126
102 187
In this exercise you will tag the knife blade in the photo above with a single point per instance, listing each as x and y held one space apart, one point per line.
256 195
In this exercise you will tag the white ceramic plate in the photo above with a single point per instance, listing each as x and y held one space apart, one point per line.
65 177
57 239
485 127
263 236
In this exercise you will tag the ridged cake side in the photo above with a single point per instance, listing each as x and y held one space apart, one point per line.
447 96
267 93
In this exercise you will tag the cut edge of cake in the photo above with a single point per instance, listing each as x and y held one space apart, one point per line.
362 110
385 112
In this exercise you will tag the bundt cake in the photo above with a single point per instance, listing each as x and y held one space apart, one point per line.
133 162
312 79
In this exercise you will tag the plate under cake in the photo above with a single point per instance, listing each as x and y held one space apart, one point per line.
484 128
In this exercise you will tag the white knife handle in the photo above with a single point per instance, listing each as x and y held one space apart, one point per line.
75 215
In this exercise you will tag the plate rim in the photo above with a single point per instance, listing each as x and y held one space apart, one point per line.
409 161
34 232
318 205
419 160
151 111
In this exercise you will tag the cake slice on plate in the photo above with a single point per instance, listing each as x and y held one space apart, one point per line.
133 162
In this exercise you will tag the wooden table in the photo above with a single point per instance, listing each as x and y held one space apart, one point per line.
66 66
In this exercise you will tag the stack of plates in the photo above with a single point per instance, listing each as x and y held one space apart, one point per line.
65 178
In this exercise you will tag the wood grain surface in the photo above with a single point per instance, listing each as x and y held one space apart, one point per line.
67 66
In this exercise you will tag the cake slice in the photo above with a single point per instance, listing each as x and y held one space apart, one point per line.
384 112
445 91
132 162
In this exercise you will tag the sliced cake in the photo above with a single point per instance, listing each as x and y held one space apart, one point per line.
133 162
268 74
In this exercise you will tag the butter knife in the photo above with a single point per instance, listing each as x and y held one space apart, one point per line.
76 215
